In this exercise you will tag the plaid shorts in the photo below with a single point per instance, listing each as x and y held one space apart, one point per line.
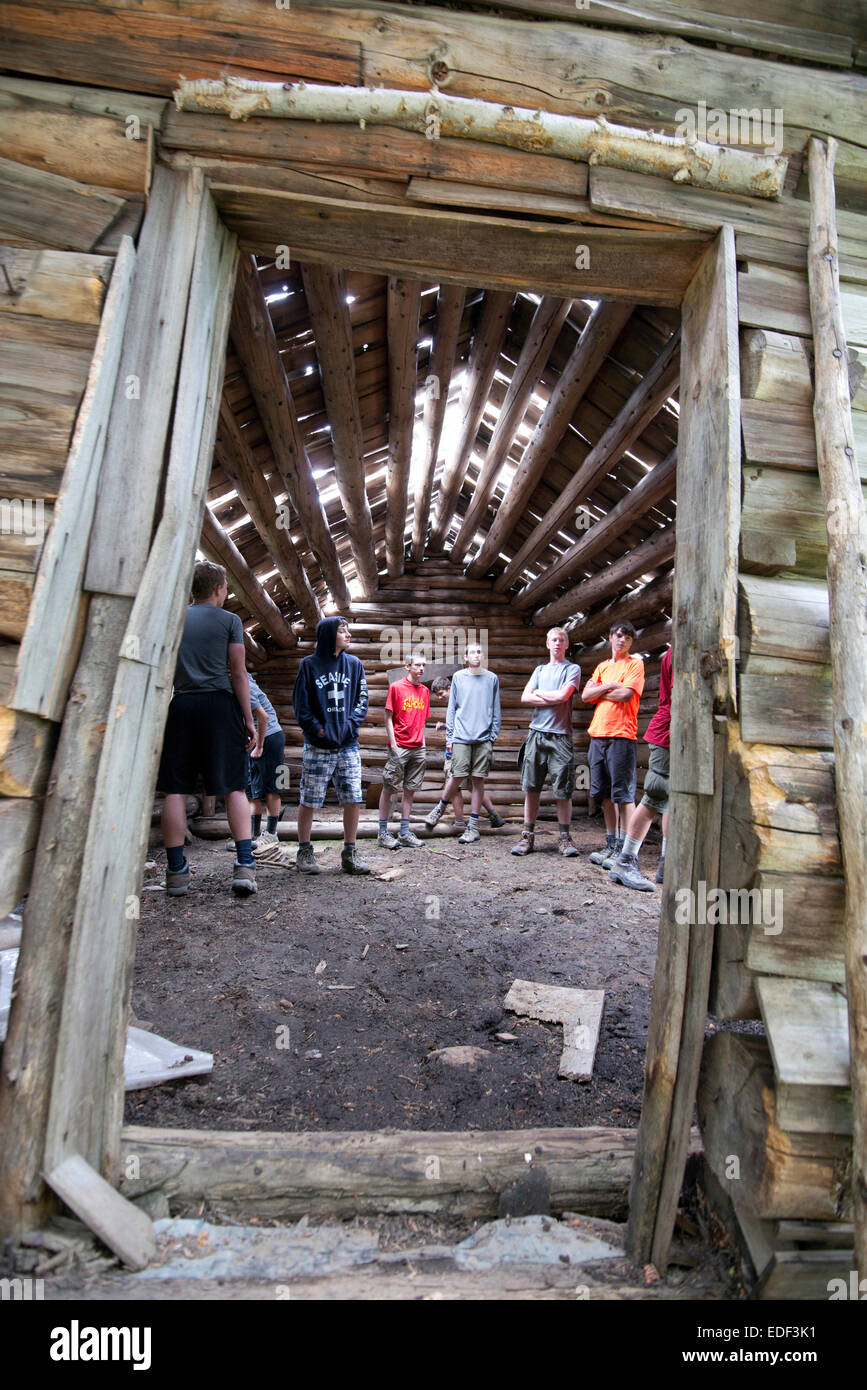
319 765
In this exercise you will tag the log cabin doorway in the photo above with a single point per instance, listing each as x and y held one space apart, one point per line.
499 258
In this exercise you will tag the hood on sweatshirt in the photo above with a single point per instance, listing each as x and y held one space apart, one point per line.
326 637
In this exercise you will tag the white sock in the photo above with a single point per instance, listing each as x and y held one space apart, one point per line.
630 845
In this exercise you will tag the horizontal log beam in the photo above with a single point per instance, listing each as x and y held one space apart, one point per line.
346 1174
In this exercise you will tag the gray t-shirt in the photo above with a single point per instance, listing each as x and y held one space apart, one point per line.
473 715
203 656
259 700
554 719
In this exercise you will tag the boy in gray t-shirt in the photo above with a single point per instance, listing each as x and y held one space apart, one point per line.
548 750
472 726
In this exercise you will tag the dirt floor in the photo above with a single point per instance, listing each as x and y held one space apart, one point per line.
323 998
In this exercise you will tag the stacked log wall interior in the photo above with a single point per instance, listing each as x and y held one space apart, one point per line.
787 1117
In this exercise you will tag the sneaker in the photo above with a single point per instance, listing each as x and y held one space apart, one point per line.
600 855
388 841
305 861
410 840
351 864
566 847
526 843
470 835
243 880
496 820
178 881
435 816
625 870
660 871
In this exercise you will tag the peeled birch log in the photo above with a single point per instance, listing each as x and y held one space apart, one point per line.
433 113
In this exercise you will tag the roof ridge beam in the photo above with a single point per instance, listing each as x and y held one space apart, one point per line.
450 309
402 311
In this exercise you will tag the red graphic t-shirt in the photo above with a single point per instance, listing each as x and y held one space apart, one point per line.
410 706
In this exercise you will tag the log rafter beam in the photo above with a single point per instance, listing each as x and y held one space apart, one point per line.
484 355
218 544
643 557
599 335
654 486
403 302
234 457
325 291
645 402
450 308
255 343
547 321
650 598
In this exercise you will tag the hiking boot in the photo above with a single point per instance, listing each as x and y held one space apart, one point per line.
625 870
470 835
496 820
178 881
660 870
526 843
600 855
387 841
612 856
305 860
566 847
434 817
243 880
410 840
350 862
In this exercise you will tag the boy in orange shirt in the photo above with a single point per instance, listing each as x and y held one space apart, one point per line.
615 689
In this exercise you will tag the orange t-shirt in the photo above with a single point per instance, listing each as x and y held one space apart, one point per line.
614 718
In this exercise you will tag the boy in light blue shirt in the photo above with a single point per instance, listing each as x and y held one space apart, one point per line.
472 726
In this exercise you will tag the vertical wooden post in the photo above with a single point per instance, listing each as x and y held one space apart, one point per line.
847 599
87 1094
705 603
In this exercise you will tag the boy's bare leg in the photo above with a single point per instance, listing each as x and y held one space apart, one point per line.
305 823
478 795
531 807
384 804
351 812
457 805
238 815
609 815
174 819
406 803
564 812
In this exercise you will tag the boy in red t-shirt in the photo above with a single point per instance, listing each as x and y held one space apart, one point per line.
407 709
615 689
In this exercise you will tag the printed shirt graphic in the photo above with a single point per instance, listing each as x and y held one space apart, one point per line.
658 730
614 718
410 706
554 719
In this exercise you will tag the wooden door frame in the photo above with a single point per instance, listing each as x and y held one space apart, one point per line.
646 266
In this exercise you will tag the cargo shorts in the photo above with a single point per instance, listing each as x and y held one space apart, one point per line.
548 755
656 780
405 768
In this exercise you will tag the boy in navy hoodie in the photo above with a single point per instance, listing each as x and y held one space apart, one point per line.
330 700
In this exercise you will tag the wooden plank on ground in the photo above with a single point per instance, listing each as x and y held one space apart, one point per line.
124 1228
51 641
579 1011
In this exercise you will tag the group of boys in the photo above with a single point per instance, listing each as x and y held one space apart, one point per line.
210 731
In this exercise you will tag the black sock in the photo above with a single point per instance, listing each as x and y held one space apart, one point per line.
244 852
175 856
271 825
257 825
